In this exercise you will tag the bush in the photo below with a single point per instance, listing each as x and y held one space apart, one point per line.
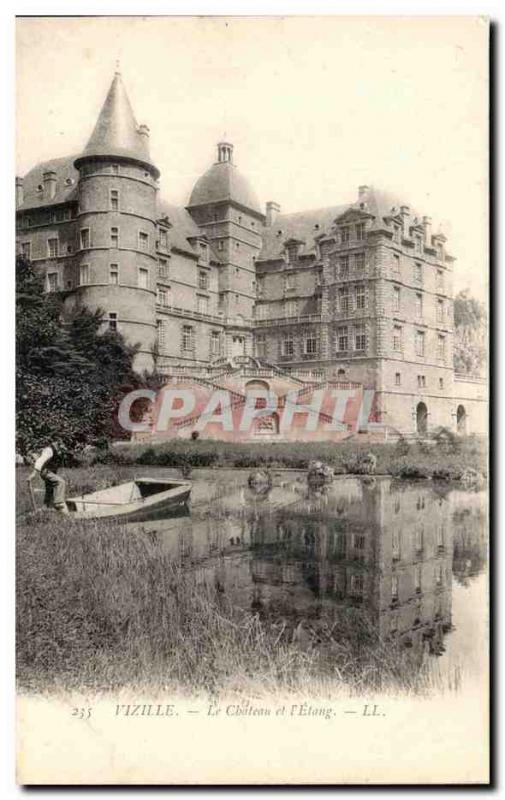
408 471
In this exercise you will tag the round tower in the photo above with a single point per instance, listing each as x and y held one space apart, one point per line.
116 225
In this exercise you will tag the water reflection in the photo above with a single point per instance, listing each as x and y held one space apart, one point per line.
301 555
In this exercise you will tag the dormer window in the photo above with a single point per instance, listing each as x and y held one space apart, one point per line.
396 233
163 239
345 234
360 231
204 252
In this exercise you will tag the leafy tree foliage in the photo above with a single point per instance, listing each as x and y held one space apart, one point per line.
70 376
470 332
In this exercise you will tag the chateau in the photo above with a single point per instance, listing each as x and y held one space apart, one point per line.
359 293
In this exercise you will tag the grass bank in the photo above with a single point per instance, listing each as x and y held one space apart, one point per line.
445 460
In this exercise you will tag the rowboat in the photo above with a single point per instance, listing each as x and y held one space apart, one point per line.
139 499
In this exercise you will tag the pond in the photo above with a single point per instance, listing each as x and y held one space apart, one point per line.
410 556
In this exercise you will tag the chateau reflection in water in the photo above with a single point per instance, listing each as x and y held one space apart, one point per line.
304 555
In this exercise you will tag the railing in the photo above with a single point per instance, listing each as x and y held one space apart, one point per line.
200 315
298 318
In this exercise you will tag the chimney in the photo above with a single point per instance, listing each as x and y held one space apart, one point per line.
272 210
363 194
405 214
19 192
225 152
427 231
143 130
49 179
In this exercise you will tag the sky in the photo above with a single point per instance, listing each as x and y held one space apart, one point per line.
315 107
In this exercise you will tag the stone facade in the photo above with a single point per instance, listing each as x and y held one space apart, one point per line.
361 292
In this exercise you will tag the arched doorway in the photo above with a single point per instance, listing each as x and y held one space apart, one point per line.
422 419
461 420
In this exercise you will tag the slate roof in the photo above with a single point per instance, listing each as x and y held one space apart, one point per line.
223 181
300 225
116 132
183 227
65 192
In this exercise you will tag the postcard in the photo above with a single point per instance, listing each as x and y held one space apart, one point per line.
252 400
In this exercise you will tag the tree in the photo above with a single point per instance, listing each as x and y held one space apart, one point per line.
70 376
470 334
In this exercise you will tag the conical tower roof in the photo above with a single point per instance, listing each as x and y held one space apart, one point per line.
116 132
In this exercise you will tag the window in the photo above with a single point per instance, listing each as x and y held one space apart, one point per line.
394 587
440 279
114 273
418 244
440 251
163 268
418 272
202 304
359 541
359 262
344 266
439 575
345 234
143 241
162 297
440 537
220 245
289 282
417 578
398 379
343 299
114 237
261 345
115 169
52 281
419 539
421 381
203 279
83 274
441 348
397 338
261 311
188 338
395 545
420 343
112 321
85 239
440 383
360 231
204 253
342 339
396 298
291 308
396 263
360 338
161 329
143 278
114 200
311 345
52 247
26 250
215 340
163 241
440 310
357 585
288 347
396 233
419 306
360 297
220 301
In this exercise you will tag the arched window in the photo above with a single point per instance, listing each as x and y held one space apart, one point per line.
461 420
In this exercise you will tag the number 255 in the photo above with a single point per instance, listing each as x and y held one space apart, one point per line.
81 713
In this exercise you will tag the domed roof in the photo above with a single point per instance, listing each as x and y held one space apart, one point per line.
223 181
